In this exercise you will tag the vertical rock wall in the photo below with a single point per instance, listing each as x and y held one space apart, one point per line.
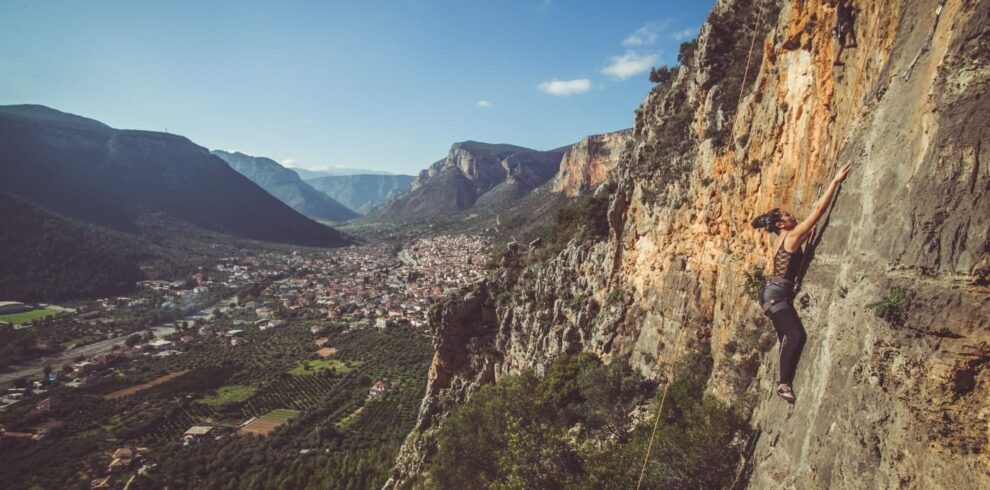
589 162
879 405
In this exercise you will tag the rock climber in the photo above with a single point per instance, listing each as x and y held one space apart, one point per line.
844 18
778 292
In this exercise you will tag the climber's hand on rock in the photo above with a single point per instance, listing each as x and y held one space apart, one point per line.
841 174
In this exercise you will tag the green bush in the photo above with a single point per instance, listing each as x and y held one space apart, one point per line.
571 429
892 307
618 295
662 75
586 220
755 279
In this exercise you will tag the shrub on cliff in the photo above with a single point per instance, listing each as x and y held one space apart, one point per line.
892 307
662 75
586 220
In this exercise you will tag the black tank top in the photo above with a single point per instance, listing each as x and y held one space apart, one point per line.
786 264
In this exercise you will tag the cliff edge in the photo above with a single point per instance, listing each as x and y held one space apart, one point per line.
895 402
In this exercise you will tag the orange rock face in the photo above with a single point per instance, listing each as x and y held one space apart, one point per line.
586 165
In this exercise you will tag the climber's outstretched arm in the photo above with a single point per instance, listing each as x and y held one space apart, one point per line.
801 230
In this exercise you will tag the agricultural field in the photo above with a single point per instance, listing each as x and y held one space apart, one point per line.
27 316
230 394
144 386
267 423
152 402
315 366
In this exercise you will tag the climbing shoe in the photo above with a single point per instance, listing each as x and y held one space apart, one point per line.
787 394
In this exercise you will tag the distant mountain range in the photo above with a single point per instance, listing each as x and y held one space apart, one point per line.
472 174
84 179
310 174
286 185
86 170
362 193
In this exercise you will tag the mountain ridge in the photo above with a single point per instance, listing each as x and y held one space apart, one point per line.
287 186
90 172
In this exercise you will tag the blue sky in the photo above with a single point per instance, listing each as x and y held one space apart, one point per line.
368 84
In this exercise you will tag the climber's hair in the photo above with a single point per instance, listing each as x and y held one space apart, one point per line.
768 220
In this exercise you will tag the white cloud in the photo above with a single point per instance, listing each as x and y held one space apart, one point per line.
483 103
289 163
646 35
629 64
684 34
563 88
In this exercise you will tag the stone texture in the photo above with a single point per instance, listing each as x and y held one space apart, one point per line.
587 164
879 406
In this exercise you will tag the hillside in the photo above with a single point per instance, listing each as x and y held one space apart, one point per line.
362 193
47 257
892 386
287 187
85 170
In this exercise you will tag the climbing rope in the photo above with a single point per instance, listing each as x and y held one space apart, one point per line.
677 341
928 42
749 56
663 399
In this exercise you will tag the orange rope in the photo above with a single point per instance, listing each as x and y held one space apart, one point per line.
663 399
749 56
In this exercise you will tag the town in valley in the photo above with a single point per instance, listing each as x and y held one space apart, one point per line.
332 343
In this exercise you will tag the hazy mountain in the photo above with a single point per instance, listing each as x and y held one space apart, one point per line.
286 185
362 193
85 170
473 174
310 174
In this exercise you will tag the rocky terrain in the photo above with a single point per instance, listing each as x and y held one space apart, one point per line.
589 162
758 116
472 174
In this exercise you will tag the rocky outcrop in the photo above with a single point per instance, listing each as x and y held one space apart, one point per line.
472 172
587 164
880 404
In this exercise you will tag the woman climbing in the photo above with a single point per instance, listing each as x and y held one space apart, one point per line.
777 293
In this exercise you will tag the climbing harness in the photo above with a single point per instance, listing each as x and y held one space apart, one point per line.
928 42
777 295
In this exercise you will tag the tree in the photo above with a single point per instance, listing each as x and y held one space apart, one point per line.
133 340
662 75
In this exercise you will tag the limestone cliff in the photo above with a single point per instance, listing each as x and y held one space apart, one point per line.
472 171
880 404
587 164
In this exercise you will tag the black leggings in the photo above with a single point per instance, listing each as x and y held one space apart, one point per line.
791 335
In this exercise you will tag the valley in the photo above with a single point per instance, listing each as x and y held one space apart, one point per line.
336 338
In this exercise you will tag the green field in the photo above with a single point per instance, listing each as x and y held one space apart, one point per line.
314 366
229 394
280 415
15 318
